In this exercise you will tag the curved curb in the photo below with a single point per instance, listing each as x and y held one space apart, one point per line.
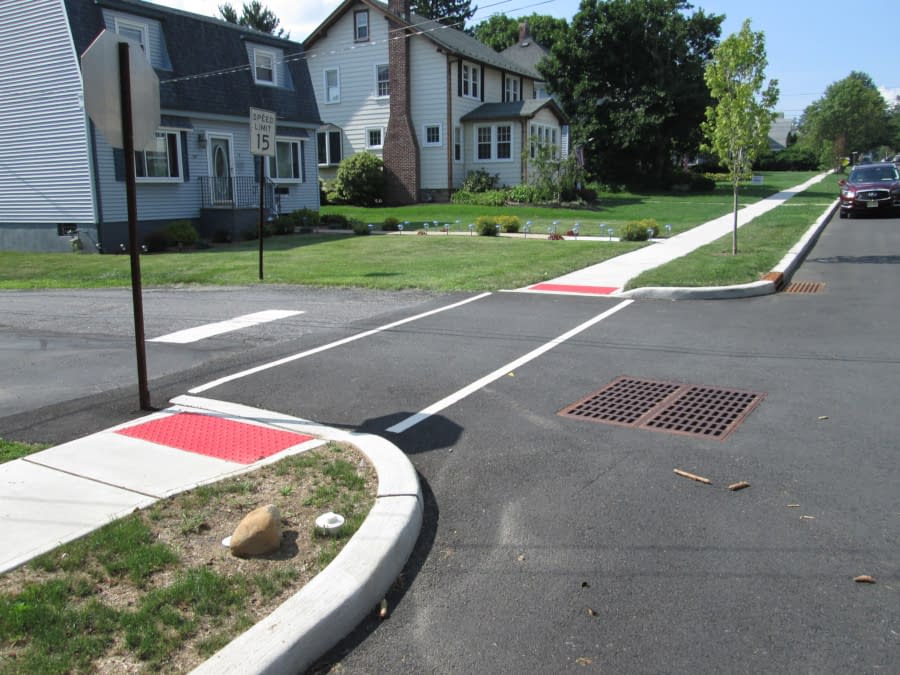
777 278
337 599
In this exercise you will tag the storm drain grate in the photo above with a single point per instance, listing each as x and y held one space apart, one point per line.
707 412
805 287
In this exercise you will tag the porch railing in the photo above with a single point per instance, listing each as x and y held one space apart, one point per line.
237 192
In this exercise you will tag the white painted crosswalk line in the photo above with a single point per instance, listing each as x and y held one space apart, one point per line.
188 335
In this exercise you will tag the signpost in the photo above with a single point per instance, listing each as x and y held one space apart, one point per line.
262 143
121 96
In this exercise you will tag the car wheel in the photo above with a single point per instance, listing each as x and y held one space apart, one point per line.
843 213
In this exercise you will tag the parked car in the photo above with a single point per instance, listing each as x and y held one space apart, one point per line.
870 188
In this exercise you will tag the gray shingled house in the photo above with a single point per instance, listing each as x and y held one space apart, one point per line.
58 174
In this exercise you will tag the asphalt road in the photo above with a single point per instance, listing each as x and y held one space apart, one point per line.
555 545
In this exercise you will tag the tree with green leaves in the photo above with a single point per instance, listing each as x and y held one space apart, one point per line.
254 15
500 31
852 116
737 125
630 75
448 12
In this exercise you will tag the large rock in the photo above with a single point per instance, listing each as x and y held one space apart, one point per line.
258 533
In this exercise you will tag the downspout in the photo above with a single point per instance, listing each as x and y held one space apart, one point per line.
95 184
523 153
451 135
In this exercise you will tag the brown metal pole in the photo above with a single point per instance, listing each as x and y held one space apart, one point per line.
262 183
131 194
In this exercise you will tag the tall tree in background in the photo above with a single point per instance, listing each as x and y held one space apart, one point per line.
852 116
737 125
254 15
630 74
500 31
449 12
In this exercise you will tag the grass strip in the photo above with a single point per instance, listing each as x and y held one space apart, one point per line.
762 243
10 450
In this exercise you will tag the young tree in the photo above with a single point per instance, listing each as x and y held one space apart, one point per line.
630 74
448 12
737 126
254 15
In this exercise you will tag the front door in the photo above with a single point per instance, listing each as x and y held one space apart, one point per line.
220 170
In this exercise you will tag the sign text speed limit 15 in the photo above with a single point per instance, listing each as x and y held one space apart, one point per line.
262 132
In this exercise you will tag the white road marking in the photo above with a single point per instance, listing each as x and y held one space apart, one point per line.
210 329
331 345
412 420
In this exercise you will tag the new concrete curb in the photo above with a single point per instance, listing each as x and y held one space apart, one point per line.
330 606
779 276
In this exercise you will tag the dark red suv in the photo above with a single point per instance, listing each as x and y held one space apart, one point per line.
870 188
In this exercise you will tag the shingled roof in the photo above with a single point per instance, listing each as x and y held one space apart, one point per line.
524 109
199 49
450 39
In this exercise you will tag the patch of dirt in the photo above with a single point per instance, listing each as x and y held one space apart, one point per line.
194 523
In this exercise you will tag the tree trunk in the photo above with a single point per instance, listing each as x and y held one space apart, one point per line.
735 225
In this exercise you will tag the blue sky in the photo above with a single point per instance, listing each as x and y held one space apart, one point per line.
809 44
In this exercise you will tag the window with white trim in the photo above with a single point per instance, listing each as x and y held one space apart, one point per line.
332 85
457 144
513 89
544 137
160 161
374 138
328 147
484 142
288 163
494 143
433 134
470 80
134 30
263 67
382 80
361 25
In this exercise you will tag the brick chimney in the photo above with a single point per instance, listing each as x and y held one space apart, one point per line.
401 149
524 33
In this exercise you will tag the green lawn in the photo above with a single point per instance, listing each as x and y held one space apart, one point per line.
434 262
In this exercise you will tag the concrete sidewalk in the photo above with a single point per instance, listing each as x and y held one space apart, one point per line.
611 276
65 492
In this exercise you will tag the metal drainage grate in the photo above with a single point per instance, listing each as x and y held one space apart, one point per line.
805 287
707 412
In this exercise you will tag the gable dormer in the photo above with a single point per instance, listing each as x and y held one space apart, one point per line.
144 30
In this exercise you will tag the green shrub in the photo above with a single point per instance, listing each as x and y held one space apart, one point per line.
284 224
480 181
522 193
359 227
390 224
486 226
509 223
492 198
335 221
360 180
306 218
636 230
181 233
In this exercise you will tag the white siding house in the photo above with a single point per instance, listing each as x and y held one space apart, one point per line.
468 107
58 173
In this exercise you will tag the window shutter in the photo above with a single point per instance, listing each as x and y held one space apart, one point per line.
186 174
482 84
459 78
119 164
503 87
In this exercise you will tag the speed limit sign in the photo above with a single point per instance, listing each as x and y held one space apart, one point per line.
262 132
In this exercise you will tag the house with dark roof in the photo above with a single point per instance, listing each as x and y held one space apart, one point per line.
432 101
528 53
62 183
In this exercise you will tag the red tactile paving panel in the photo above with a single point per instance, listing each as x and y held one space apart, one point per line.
574 288
215 437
